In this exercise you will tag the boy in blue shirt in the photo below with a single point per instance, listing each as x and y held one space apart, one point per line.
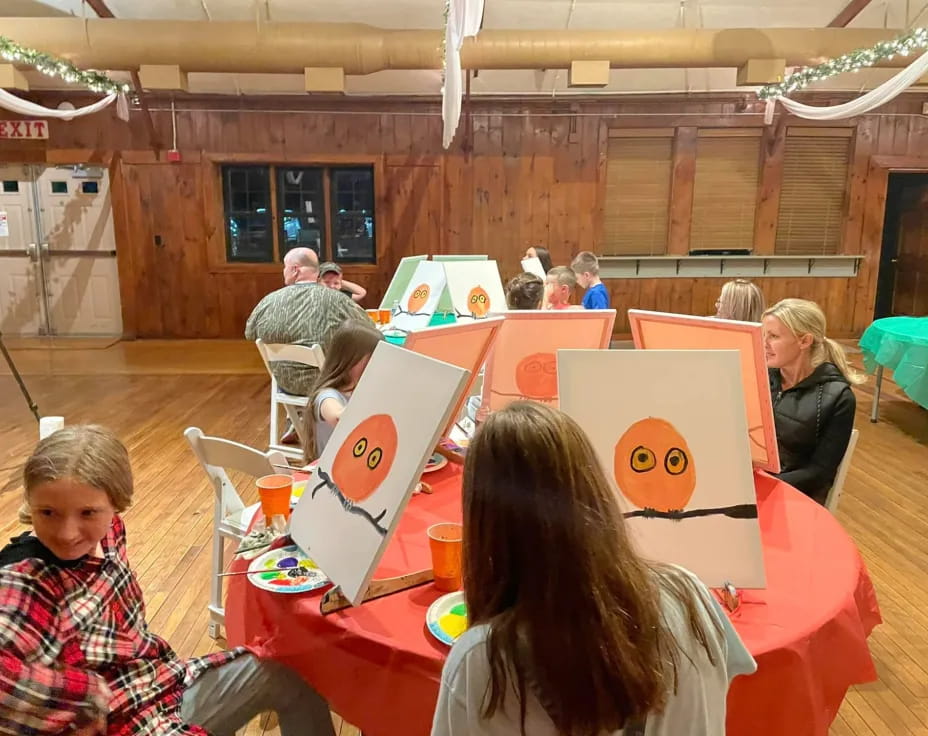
586 266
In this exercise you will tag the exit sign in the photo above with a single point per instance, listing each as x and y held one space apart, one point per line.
23 129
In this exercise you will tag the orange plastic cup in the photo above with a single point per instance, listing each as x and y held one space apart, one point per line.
446 543
385 316
374 314
275 491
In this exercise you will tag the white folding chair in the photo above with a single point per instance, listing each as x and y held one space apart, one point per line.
308 356
831 501
231 518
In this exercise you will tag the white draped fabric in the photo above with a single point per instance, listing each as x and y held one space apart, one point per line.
24 107
464 17
863 104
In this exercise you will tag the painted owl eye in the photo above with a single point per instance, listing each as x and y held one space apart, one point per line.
482 298
676 461
474 299
360 447
643 459
373 460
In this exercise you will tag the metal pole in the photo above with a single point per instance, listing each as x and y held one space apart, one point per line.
876 395
19 379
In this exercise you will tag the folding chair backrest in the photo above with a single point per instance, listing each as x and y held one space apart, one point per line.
217 455
831 502
311 356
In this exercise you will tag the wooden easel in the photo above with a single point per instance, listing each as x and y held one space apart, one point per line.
334 601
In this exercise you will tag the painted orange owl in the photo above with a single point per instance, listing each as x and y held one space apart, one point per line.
418 298
536 376
654 467
478 302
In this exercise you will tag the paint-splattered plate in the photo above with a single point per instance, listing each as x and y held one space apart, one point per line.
286 570
446 618
436 462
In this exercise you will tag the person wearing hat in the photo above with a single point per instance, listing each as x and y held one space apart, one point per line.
331 275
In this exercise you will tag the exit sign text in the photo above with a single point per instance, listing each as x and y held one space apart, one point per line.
24 129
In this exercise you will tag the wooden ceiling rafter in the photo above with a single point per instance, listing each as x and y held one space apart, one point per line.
850 11
102 10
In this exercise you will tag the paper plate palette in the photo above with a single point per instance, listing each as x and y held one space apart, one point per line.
436 462
446 618
286 570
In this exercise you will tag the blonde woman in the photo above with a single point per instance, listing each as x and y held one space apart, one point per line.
813 404
76 655
740 300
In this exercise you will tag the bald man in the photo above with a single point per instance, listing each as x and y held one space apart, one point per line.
304 312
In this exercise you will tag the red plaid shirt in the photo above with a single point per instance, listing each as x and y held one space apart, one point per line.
75 648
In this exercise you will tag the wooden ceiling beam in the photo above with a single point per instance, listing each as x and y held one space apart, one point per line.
851 11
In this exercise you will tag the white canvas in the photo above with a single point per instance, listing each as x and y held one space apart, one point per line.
365 477
533 265
475 288
638 407
399 282
418 303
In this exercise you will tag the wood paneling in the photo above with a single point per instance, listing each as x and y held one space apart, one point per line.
519 173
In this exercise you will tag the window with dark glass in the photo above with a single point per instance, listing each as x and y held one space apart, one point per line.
270 210
247 196
353 215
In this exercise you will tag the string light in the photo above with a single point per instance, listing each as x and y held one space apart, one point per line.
852 61
54 66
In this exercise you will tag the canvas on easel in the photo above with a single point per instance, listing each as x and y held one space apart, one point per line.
465 344
669 429
523 361
400 281
444 304
371 464
475 288
418 303
662 331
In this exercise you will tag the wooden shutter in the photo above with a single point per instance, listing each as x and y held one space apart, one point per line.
812 194
725 189
637 203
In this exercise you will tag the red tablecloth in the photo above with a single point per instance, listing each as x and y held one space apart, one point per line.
379 668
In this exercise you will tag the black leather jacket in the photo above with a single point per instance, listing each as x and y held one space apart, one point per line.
814 420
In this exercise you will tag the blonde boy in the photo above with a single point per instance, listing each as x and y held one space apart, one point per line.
586 266
559 286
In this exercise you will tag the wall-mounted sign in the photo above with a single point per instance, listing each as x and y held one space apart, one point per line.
24 129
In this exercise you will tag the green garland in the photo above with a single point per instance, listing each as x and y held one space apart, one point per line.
849 62
54 66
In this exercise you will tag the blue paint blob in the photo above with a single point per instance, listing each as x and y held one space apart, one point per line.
286 562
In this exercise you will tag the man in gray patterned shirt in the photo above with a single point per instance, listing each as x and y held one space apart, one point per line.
304 312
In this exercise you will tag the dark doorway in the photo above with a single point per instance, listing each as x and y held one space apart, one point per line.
902 288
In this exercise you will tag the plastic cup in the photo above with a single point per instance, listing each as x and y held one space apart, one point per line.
374 314
385 316
275 491
446 543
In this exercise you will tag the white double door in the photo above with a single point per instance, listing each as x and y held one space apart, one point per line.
58 272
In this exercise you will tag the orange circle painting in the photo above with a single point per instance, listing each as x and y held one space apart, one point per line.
478 302
365 458
654 467
536 376
418 298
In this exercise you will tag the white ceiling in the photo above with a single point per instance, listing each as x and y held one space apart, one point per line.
502 14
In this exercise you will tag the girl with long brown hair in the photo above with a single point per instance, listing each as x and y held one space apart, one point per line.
346 356
571 632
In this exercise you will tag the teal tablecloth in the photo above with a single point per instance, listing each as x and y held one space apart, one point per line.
900 344
439 318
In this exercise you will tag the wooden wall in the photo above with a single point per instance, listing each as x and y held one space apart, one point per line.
519 173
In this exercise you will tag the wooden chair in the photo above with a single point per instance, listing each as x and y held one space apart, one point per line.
308 356
831 501
231 518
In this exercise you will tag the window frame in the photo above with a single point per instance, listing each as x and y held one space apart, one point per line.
213 163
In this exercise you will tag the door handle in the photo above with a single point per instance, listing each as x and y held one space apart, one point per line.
33 252
44 249
894 260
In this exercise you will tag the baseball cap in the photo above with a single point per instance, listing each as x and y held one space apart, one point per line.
329 267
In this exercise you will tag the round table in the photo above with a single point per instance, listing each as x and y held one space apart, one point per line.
379 668
900 344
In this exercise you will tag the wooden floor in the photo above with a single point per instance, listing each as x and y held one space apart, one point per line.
150 391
